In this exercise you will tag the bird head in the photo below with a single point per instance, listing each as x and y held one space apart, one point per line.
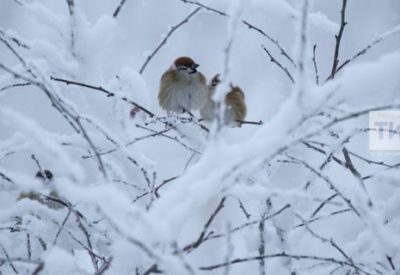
185 64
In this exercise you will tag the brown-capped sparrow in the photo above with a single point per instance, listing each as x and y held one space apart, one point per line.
235 109
182 87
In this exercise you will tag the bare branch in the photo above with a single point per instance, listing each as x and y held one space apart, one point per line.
356 174
101 89
273 60
18 56
323 204
303 41
243 122
338 37
278 255
71 10
369 46
247 24
315 65
118 9
330 184
61 227
334 245
202 235
14 85
165 39
8 260
247 224
71 7
261 247
170 137
6 178
14 39
28 246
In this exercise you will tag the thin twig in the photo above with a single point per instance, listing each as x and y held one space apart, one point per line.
14 39
6 178
338 37
229 250
59 104
247 24
118 9
101 89
202 235
315 65
278 255
8 260
28 246
169 137
247 224
303 42
261 247
315 212
334 245
14 85
330 184
158 133
242 122
61 227
273 60
164 41
356 174
71 10
369 46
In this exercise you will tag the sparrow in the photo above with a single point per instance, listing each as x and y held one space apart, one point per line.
46 177
235 106
182 87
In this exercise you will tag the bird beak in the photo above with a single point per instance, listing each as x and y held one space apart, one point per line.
194 68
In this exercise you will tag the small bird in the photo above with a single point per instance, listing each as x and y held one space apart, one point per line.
235 109
44 176
182 87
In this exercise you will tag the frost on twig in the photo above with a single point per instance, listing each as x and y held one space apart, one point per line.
150 188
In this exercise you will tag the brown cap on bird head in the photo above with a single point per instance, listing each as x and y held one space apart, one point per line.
185 62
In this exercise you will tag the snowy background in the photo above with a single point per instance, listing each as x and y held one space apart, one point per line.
300 194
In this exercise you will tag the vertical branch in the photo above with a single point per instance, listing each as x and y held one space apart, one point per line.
338 37
315 65
261 248
221 90
302 45
28 246
152 191
229 249
303 37
71 10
